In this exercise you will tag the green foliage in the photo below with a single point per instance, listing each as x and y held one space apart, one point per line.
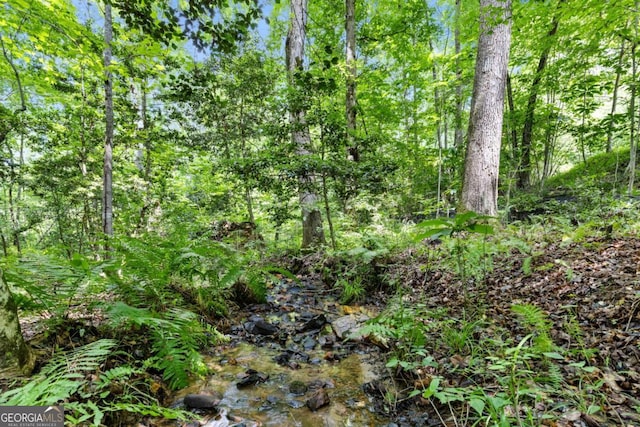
77 379
350 289
355 271
62 377
405 329
452 227
605 171
538 324
465 253
459 336
176 336
51 282
159 273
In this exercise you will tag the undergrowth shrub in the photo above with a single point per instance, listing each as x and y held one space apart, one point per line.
80 380
158 273
177 336
472 257
52 283
356 271
441 356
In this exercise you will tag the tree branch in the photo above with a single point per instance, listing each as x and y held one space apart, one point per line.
23 104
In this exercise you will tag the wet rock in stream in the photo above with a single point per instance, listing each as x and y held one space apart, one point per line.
295 404
319 399
251 377
346 325
227 420
298 388
261 327
316 322
291 358
201 401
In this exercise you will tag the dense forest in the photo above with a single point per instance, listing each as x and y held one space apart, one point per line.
390 213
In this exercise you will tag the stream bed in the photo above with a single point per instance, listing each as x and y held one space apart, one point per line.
292 361
279 401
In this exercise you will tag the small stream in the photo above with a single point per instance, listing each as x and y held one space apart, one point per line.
271 403
294 349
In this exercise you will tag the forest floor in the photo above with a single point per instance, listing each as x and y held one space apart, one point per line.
589 293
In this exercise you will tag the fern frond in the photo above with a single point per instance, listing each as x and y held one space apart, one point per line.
532 316
61 377
538 323
176 335
46 280
553 376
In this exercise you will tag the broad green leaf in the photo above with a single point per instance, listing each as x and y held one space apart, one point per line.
554 355
477 405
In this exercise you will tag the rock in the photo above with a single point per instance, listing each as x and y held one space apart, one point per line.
318 384
262 327
346 325
309 343
251 378
201 401
319 399
291 358
314 323
298 388
327 341
295 404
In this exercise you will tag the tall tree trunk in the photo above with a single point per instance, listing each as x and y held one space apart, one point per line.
583 122
482 161
512 120
458 135
550 139
144 160
350 28
243 145
632 118
438 110
107 177
13 203
524 174
312 232
15 355
614 101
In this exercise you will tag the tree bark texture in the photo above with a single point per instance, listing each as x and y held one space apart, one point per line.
482 162
312 231
107 177
15 355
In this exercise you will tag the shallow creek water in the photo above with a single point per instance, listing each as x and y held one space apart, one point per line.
270 403
303 321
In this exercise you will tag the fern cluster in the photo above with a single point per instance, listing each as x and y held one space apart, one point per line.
78 380
151 281
52 283
159 273
177 336
536 320
62 377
